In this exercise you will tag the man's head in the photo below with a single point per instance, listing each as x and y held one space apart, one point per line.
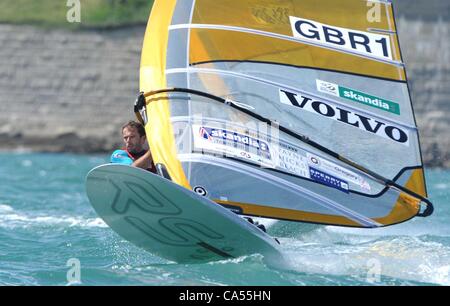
133 134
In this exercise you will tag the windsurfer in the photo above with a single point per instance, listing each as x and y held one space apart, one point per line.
134 152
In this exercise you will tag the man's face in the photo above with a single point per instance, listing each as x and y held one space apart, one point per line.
133 142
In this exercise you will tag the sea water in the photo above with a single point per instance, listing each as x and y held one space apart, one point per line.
50 235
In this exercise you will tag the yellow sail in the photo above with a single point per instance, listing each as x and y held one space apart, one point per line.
290 109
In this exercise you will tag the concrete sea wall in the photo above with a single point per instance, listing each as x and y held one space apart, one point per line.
70 91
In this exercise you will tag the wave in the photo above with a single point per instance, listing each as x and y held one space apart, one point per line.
371 260
413 228
10 218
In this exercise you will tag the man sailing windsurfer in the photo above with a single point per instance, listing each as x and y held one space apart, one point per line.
134 152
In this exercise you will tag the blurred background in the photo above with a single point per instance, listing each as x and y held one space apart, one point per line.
68 87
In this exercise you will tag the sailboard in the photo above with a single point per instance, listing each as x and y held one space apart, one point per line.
294 110
171 221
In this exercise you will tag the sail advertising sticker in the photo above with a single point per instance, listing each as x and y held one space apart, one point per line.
328 179
348 40
358 97
289 158
337 171
233 144
354 119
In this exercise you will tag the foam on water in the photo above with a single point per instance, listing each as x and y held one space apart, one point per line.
369 258
9 219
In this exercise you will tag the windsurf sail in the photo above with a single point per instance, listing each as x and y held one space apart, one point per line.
291 109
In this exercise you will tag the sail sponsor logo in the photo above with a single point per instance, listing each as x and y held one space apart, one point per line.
382 129
364 43
275 13
222 136
338 171
290 159
328 179
328 88
357 96
232 143
204 133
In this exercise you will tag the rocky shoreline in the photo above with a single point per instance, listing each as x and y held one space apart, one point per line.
66 91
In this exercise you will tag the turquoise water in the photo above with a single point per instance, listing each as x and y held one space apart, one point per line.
46 220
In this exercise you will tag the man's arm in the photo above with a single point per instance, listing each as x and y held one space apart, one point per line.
145 161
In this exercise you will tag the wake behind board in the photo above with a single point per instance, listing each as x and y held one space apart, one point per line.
171 221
